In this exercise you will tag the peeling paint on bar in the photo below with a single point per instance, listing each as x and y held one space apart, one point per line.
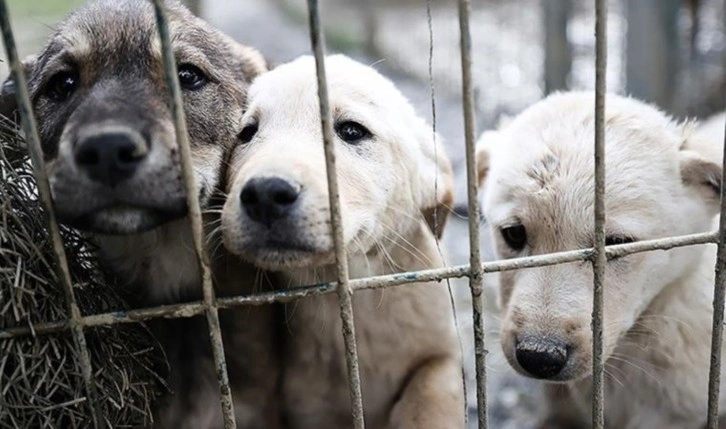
195 214
345 292
476 273
599 257
30 130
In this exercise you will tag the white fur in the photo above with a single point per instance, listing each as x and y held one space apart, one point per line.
538 171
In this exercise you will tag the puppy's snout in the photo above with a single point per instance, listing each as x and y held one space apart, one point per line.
541 357
109 158
269 199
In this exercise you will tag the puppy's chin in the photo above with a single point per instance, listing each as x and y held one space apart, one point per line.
123 220
277 259
279 255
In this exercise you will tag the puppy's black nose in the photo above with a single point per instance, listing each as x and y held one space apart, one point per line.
541 357
267 200
109 158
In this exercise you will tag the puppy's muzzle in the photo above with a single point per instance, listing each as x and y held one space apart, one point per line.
110 157
267 200
542 358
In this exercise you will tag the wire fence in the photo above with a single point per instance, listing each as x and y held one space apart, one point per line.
344 286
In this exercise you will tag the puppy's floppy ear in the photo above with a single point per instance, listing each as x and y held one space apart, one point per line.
703 175
8 103
252 61
483 145
436 180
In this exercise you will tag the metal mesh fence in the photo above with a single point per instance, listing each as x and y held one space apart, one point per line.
344 286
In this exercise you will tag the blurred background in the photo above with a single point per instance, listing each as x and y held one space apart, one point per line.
669 52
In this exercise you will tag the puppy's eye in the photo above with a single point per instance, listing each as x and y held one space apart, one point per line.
191 78
515 236
248 133
62 85
352 132
612 240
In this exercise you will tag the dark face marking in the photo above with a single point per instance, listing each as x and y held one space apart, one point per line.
100 75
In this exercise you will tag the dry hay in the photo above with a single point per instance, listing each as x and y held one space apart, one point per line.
41 385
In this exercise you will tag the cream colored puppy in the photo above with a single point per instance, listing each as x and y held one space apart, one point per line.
538 193
392 177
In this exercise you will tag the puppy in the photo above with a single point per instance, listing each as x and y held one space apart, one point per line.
103 113
538 196
277 216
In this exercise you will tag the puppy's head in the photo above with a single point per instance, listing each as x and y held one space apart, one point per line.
104 117
538 198
391 173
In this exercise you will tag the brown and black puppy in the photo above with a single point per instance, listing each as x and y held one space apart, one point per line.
103 112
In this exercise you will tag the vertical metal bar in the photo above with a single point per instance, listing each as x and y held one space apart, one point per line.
475 277
599 257
714 375
36 155
195 215
345 293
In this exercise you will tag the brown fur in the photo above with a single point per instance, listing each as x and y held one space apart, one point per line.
121 82
112 50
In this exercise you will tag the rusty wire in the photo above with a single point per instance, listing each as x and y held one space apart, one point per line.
599 259
345 292
377 282
32 138
195 215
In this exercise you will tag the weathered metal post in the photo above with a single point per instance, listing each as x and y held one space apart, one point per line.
599 260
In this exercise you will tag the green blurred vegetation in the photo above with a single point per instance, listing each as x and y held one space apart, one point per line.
28 9
337 37
32 21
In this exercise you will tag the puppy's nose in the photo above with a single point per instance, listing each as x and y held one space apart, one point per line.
541 357
267 200
109 158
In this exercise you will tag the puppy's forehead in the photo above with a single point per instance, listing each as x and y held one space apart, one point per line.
106 24
349 83
545 161
125 32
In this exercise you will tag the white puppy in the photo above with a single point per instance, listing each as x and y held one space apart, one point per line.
392 177
538 196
